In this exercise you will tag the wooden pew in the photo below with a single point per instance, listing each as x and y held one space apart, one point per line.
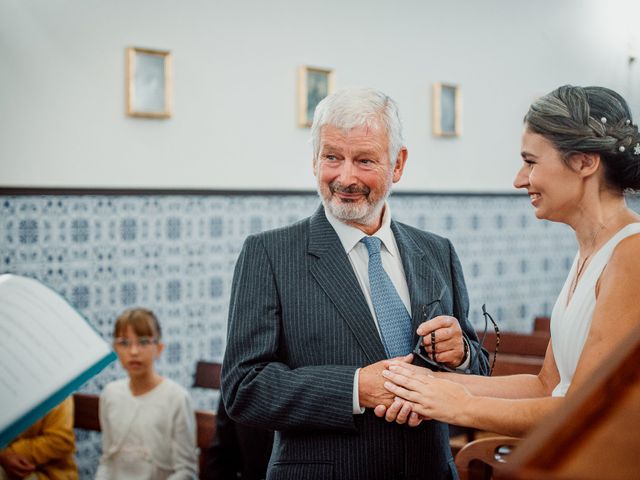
518 352
207 375
592 435
479 459
85 411
86 417
541 324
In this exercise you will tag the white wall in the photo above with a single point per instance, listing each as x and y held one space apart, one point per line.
62 120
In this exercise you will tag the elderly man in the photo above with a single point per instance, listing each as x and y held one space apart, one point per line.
319 306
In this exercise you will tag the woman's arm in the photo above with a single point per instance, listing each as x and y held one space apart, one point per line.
511 386
451 402
505 387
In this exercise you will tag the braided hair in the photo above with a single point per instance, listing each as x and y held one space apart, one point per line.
591 120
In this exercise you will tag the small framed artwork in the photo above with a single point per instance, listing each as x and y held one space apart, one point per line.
313 85
447 110
149 82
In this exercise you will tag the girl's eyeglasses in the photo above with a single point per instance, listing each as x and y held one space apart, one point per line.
142 342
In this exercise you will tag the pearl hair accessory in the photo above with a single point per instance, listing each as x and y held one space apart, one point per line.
603 120
621 148
636 149
628 122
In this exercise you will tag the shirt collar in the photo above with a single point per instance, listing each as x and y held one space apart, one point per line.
350 236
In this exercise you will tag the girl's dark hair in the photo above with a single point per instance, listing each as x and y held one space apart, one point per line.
591 120
143 322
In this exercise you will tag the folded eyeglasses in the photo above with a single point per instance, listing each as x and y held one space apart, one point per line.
420 351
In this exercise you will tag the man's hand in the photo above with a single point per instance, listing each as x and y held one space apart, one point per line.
16 465
371 391
448 340
400 412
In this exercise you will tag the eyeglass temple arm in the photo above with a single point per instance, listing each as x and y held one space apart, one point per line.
487 316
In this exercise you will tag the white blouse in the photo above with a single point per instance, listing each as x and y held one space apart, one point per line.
150 436
570 323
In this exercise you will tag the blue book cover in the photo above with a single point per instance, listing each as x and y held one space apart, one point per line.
47 350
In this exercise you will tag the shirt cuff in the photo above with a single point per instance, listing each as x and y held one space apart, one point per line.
465 365
357 410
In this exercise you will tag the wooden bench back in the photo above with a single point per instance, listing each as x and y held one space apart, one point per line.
518 352
85 411
207 375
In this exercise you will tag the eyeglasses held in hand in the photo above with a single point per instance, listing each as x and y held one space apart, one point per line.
142 342
432 364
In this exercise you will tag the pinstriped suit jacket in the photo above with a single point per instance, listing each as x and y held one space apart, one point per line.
299 327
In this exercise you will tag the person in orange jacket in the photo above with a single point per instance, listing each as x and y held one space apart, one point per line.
45 450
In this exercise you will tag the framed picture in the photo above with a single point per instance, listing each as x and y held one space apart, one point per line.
313 85
148 83
447 110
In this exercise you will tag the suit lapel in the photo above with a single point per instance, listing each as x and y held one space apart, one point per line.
332 270
423 283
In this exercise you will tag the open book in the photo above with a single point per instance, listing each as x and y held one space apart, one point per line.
47 350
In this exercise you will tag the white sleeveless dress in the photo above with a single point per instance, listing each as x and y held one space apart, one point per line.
570 323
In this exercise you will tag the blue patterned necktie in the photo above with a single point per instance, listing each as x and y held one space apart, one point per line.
393 319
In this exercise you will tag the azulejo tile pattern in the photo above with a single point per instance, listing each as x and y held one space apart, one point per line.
175 254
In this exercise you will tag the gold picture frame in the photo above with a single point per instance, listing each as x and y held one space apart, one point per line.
149 83
314 84
447 110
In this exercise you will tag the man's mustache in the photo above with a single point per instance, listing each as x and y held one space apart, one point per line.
337 187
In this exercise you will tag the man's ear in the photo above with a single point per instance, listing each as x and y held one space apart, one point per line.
315 166
585 164
401 161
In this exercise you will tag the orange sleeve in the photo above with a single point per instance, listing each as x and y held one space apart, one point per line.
54 438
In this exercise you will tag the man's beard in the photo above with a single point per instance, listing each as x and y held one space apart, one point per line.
361 212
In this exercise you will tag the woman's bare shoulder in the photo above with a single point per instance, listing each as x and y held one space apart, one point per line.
627 252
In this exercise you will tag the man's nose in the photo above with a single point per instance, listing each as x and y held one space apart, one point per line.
346 175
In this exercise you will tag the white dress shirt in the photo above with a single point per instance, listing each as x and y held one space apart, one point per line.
359 257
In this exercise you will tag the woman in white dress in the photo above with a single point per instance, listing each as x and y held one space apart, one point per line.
580 152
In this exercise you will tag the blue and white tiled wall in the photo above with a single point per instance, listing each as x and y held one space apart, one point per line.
175 254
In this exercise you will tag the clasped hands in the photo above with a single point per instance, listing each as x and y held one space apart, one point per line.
16 465
406 393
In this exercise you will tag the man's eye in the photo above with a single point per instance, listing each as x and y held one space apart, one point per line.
330 157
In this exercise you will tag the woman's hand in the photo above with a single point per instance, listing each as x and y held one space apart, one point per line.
429 397
400 411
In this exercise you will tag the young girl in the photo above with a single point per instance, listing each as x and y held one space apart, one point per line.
147 421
